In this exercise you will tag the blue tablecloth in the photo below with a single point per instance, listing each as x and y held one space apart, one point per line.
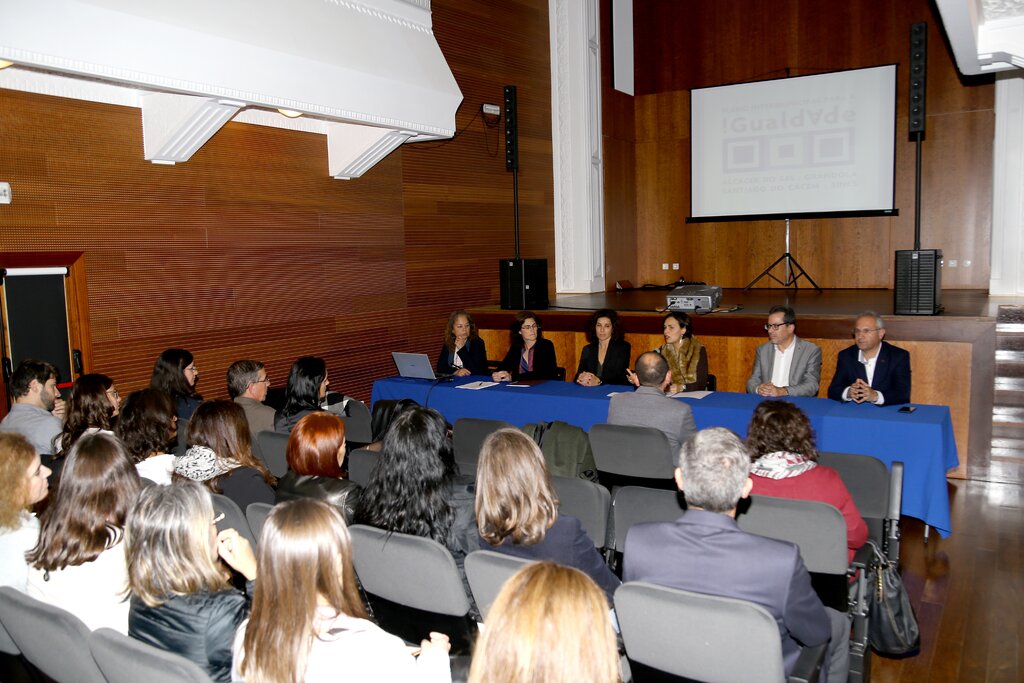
923 440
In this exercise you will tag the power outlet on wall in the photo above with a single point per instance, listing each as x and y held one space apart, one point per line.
5 193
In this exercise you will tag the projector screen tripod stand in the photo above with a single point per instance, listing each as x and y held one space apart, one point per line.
794 271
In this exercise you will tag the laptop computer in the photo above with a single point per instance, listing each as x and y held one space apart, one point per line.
416 365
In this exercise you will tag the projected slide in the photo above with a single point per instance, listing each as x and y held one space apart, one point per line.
806 145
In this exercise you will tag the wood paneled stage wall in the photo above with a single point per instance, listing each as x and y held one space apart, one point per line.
250 249
684 45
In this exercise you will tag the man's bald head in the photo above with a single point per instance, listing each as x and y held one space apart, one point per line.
651 369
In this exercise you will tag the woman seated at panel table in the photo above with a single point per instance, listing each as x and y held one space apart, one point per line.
605 359
463 352
687 358
530 356
785 465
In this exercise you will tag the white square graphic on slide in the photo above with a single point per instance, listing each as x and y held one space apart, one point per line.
742 155
785 151
832 147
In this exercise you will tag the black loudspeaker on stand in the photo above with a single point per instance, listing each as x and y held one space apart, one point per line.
524 283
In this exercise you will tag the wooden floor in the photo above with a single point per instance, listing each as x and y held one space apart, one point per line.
967 590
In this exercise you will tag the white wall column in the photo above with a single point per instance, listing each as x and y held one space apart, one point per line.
576 143
1007 276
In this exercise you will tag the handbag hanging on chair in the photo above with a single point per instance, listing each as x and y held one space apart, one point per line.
892 626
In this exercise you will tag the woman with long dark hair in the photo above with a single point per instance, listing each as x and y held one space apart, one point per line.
384 413
92 405
606 358
308 622
147 427
24 477
220 455
463 352
530 355
175 372
785 465
79 562
316 458
305 393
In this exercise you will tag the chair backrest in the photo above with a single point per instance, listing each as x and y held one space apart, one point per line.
233 518
631 451
487 571
356 416
256 515
54 641
867 480
7 644
127 660
638 504
818 528
274 448
699 637
586 501
181 445
468 436
360 463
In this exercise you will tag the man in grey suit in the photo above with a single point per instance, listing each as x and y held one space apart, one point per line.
704 551
648 406
247 384
785 365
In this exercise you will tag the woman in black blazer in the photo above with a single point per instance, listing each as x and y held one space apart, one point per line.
530 356
463 352
605 359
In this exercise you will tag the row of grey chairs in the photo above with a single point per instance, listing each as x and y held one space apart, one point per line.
63 648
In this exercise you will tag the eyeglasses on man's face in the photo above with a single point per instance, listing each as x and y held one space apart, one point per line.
774 326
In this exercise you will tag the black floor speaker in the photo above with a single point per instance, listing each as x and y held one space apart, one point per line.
524 283
918 282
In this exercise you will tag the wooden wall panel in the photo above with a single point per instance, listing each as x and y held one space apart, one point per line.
251 250
680 46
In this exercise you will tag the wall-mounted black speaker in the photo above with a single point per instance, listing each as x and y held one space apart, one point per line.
511 130
918 75
524 283
918 282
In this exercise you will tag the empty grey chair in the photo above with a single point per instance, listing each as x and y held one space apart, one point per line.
468 437
487 572
638 504
54 641
357 420
126 660
256 515
233 518
586 501
274 448
818 528
704 637
412 585
360 463
869 482
641 452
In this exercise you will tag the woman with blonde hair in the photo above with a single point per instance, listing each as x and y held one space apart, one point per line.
182 599
517 509
25 484
549 623
308 622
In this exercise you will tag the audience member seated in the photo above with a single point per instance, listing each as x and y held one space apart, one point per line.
38 409
92 406
181 597
872 370
517 509
25 484
308 622
785 365
687 358
147 427
549 623
220 455
316 457
606 358
704 551
781 445
530 356
384 413
463 352
247 385
175 372
79 562
648 406
305 393
415 487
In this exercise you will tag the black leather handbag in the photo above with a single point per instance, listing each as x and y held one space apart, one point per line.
892 626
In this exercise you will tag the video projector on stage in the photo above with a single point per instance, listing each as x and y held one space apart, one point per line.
694 298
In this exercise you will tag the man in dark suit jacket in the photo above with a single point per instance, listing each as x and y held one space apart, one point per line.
872 370
704 551
648 406
799 361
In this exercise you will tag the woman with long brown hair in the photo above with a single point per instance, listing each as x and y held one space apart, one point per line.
316 457
79 562
25 484
308 622
147 426
220 455
463 352
92 405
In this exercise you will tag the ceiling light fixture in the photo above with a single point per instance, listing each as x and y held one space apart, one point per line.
291 113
